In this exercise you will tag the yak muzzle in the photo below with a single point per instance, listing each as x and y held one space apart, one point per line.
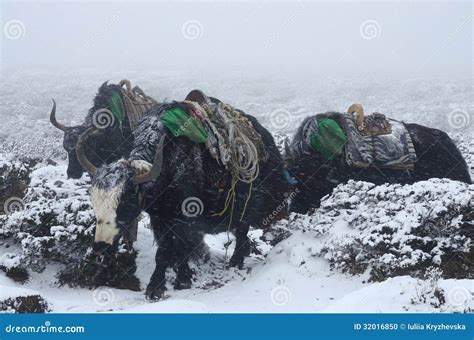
74 173
102 248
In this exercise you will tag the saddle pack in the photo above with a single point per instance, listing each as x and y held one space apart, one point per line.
364 141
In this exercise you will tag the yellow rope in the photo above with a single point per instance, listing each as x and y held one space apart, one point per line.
231 194
231 197
244 159
246 201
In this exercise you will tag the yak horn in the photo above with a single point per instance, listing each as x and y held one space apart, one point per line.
156 167
81 155
359 111
52 118
127 83
356 107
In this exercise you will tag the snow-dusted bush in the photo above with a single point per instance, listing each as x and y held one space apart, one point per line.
56 222
396 229
56 225
466 146
428 291
24 304
14 178
447 296
13 267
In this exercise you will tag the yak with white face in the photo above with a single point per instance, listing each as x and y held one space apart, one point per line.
105 196
115 197
121 190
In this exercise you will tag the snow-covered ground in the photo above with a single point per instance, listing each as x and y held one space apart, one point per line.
288 280
292 276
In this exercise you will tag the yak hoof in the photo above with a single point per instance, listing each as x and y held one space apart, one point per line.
179 285
236 262
154 294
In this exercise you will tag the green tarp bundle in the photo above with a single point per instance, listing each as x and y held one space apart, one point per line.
116 106
181 123
329 138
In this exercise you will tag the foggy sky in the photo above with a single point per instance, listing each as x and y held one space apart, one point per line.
412 38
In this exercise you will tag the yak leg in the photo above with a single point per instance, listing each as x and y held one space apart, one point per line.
184 247
242 245
163 259
183 277
130 234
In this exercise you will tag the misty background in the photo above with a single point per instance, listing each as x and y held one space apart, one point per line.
280 61
413 38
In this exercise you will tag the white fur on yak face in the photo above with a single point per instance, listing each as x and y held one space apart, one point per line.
105 203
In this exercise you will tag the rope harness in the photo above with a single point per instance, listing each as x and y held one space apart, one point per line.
135 102
234 143
232 140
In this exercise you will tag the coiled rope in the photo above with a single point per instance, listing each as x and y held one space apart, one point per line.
135 101
244 154
241 149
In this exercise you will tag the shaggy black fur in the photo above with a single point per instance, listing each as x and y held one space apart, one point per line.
110 145
190 171
438 157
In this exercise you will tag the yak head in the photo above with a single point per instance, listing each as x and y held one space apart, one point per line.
117 194
103 105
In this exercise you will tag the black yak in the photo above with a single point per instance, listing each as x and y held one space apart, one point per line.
114 141
185 191
316 175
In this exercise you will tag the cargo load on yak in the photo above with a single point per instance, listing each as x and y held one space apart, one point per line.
228 135
362 141
329 139
182 123
133 104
